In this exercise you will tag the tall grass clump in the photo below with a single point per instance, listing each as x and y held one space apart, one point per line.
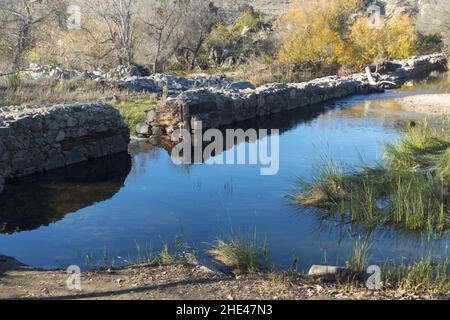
426 273
418 202
349 194
170 253
409 191
14 81
241 255
356 267
334 184
361 250
421 148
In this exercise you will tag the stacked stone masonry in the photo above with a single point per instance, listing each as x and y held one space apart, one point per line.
36 139
217 108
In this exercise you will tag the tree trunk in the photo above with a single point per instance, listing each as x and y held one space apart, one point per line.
157 66
21 45
196 51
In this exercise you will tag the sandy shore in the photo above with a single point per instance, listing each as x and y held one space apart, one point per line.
181 281
438 104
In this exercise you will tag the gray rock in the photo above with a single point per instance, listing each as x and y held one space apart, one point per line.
52 125
151 116
132 79
143 128
61 136
138 84
72 122
75 155
2 183
6 131
157 131
324 271
241 85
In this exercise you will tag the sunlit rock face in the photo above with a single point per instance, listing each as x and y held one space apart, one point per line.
430 15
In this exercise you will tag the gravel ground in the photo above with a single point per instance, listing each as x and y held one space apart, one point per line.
438 104
181 282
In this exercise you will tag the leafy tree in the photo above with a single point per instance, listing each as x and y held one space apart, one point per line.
315 30
240 39
431 43
21 26
328 32
365 45
118 18
250 18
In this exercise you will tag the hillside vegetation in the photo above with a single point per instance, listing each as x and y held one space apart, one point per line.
310 39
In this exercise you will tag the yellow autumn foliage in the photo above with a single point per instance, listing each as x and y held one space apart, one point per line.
315 30
324 32
365 45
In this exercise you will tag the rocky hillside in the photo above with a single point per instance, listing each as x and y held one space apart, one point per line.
431 15
271 7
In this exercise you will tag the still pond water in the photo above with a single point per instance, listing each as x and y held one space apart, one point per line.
115 204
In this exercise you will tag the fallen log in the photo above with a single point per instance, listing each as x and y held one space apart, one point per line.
381 84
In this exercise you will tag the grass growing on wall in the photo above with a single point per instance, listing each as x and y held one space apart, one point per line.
133 110
131 106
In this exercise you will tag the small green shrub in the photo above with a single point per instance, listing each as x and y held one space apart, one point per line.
14 81
241 255
431 43
427 273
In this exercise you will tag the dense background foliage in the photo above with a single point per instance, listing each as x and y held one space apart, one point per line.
310 39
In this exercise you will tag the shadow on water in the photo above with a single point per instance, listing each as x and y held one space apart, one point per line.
282 122
36 201
31 202
356 107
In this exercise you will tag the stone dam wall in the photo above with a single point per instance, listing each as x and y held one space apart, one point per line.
36 139
218 108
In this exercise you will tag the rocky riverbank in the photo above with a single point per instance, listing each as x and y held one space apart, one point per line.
35 139
216 108
433 104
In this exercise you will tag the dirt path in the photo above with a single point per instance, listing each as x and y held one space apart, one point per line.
177 282
438 104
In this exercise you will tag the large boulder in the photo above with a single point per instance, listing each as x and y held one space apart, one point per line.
140 84
127 71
